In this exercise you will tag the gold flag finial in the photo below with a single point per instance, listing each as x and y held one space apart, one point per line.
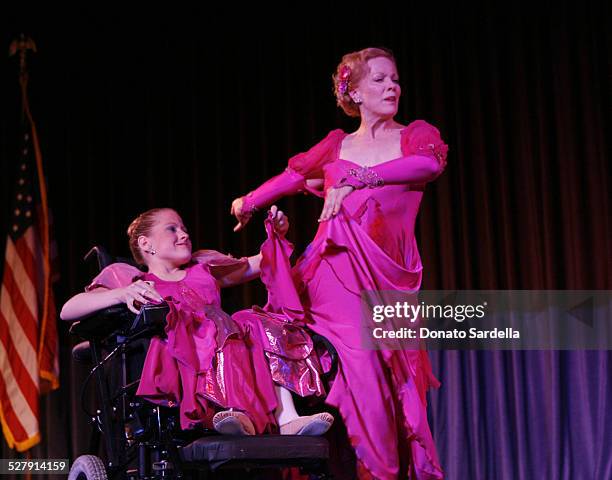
22 45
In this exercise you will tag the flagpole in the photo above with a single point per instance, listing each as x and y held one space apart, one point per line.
22 46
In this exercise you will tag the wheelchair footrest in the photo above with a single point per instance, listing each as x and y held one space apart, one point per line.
264 449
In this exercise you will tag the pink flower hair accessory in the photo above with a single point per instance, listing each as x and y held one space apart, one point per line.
345 74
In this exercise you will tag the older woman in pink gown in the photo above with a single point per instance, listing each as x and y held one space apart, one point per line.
373 181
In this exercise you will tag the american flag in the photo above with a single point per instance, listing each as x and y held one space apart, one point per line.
28 336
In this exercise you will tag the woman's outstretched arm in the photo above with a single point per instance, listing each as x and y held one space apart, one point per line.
252 268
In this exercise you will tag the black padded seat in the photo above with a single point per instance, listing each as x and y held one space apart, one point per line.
273 450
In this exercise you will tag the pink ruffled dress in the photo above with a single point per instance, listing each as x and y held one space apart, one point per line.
369 245
209 360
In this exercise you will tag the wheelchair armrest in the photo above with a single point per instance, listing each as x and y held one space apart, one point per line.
101 324
119 320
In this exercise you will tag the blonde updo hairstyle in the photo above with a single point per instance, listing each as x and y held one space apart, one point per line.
142 225
358 64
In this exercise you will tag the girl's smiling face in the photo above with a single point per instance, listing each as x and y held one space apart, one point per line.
169 239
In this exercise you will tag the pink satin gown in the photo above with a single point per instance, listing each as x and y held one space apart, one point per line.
369 245
209 360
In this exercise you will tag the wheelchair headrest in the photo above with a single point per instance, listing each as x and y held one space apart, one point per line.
105 259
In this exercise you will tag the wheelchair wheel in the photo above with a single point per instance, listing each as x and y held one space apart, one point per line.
88 467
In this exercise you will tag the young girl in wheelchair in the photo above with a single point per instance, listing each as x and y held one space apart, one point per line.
234 373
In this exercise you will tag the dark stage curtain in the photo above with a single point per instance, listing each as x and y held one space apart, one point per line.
192 109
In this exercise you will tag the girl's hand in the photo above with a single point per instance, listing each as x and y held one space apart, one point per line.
280 221
141 292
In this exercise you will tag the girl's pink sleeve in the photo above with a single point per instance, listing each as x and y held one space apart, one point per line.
225 268
302 166
116 275
424 160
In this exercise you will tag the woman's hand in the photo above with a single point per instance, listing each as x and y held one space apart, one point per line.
280 221
333 201
243 216
140 292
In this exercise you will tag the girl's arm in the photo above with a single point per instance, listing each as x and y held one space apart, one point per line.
86 303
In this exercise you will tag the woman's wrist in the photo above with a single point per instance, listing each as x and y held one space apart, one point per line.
248 204
359 178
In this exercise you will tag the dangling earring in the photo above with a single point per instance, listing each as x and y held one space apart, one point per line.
357 100
152 251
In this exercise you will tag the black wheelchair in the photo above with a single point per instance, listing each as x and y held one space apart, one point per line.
144 441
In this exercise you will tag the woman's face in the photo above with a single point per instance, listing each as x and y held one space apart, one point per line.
379 90
169 238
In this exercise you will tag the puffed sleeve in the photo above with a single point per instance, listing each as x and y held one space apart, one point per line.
302 166
225 268
422 138
423 161
310 164
115 275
